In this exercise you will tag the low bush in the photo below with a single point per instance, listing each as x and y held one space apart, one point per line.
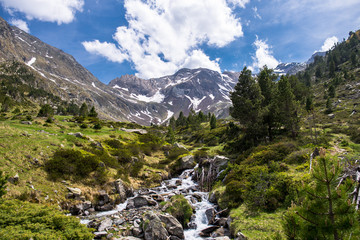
69 162
24 220
181 209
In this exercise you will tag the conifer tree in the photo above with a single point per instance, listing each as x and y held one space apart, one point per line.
246 104
83 110
212 121
93 113
288 107
172 123
325 211
170 135
181 120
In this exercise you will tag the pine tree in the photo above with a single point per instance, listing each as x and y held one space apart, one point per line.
246 104
172 123
212 121
170 136
288 107
325 211
93 113
181 120
46 111
266 80
83 110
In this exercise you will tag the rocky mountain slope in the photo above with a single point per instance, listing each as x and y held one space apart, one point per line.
197 89
127 98
60 74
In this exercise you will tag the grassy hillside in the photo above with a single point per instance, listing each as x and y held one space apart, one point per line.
262 180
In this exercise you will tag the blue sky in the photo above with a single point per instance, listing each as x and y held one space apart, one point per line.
152 38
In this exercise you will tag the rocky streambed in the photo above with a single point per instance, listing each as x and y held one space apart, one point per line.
144 216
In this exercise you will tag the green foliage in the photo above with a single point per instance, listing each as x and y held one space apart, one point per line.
24 220
46 111
84 110
69 162
83 126
97 126
175 153
114 143
92 112
181 209
325 211
3 181
212 122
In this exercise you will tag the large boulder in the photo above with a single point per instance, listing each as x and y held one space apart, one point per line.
140 201
153 228
123 190
187 162
105 225
172 225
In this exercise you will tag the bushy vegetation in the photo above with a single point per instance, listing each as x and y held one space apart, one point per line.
24 220
180 208
69 162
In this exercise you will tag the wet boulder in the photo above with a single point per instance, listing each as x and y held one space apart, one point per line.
153 228
172 225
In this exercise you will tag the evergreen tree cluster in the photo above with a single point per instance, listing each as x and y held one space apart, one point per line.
266 107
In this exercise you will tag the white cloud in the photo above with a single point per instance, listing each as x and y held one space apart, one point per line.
329 43
163 36
240 3
60 11
108 50
256 13
20 24
263 55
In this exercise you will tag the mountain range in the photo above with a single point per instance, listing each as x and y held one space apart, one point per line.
127 98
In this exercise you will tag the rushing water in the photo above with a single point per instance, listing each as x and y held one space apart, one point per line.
181 185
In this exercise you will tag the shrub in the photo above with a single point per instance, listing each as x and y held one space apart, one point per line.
69 162
83 125
24 220
176 152
181 209
3 181
298 157
97 126
113 143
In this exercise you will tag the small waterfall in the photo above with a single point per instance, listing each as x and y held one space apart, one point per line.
184 184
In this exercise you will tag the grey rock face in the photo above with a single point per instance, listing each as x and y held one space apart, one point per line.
172 225
153 228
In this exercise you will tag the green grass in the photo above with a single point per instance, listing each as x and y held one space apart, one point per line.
261 226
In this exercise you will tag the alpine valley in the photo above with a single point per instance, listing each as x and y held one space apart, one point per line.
127 98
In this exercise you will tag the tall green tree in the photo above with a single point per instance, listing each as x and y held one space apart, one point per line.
84 110
212 121
181 120
325 211
266 80
46 111
92 112
288 107
246 104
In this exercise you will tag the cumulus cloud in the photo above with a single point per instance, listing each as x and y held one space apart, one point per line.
263 55
329 43
108 50
20 24
240 3
60 11
164 36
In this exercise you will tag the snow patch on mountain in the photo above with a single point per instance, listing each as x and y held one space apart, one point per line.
195 102
31 62
157 97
